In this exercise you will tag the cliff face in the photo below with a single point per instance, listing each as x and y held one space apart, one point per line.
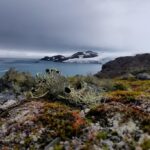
123 65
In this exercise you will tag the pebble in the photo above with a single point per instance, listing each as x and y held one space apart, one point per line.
86 110
115 139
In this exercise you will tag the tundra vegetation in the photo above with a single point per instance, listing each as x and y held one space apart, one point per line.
79 112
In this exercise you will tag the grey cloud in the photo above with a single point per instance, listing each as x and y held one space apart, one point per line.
69 24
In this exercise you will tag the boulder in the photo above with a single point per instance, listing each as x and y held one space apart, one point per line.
143 76
127 76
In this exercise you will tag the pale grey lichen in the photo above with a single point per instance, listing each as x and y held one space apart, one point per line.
51 83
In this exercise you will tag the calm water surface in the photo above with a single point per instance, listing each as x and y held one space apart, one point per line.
35 66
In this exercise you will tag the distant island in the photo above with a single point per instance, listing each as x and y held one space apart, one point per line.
78 57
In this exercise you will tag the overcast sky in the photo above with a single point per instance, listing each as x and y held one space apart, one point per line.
33 27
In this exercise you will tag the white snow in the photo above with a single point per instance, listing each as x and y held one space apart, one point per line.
102 58
83 60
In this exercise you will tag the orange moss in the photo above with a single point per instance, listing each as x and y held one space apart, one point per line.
78 120
62 119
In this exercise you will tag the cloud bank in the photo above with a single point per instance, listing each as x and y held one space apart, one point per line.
53 26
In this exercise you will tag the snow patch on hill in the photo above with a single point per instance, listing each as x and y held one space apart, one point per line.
102 58
84 60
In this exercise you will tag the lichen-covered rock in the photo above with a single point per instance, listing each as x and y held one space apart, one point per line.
35 124
7 104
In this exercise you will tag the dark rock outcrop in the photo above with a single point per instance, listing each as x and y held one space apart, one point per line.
57 58
87 54
124 65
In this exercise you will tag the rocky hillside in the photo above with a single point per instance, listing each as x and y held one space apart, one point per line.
125 65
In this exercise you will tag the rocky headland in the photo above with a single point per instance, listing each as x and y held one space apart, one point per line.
126 65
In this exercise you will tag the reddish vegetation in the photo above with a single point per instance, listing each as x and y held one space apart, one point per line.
78 120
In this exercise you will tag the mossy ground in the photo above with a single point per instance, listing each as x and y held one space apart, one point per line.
115 114
39 122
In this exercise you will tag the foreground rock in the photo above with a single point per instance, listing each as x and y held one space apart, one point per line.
47 125
35 124
125 65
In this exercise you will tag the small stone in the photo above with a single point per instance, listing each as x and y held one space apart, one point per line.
21 142
115 139
86 110
24 135
121 145
34 138
82 114
137 135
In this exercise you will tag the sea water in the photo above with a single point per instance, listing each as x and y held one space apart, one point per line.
35 66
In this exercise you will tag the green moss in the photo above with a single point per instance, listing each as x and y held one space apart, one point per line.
120 86
1 123
146 128
32 148
146 144
124 95
146 125
105 147
58 147
131 144
89 79
27 141
102 135
107 84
